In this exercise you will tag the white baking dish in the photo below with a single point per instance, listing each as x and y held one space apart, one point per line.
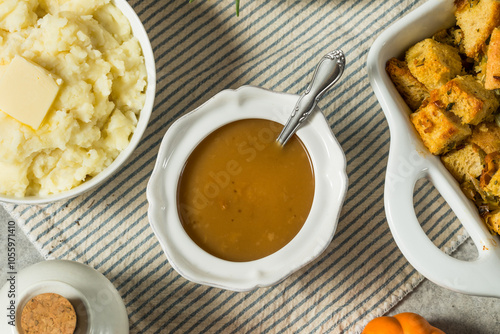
410 161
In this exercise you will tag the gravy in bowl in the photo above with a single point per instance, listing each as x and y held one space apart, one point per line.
241 196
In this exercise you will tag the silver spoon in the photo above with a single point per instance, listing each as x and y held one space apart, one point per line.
327 73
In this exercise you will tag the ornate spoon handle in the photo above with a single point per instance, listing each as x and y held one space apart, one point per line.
327 73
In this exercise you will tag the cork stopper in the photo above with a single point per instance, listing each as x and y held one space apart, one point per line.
48 313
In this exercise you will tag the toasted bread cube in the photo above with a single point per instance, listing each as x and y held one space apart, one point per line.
493 186
464 162
477 19
492 80
487 137
411 90
452 36
492 220
445 36
490 176
466 98
433 63
439 129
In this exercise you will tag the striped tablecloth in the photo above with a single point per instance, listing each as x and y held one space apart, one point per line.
200 49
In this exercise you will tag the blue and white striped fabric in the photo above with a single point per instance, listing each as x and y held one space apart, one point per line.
202 48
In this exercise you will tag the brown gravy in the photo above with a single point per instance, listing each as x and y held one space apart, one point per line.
241 197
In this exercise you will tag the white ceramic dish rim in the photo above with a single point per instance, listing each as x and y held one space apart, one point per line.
140 33
330 179
409 161
70 279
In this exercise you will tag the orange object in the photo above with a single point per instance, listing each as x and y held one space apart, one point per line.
402 323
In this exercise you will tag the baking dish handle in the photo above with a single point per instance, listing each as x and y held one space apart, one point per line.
478 277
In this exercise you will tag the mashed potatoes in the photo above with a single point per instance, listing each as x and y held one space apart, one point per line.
89 45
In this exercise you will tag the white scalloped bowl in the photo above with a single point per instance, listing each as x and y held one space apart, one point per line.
140 33
186 133
409 161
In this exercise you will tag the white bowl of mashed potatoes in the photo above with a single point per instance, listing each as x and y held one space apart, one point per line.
99 55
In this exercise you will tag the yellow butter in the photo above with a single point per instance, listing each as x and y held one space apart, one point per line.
27 91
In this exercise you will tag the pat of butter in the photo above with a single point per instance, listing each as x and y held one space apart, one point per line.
27 91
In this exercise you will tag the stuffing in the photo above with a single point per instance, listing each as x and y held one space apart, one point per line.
477 19
466 98
493 221
452 36
464 162
490 176
492 80
412 90
439 129
487 137
451 82
433 63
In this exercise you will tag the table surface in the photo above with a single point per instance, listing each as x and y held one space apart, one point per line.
245 51
452 312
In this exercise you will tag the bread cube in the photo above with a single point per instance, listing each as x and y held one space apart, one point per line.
493 186
464 162
492 80
411 90
490 175
452 36
433 63
492 220
466 98
439 129
477 19
487 137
